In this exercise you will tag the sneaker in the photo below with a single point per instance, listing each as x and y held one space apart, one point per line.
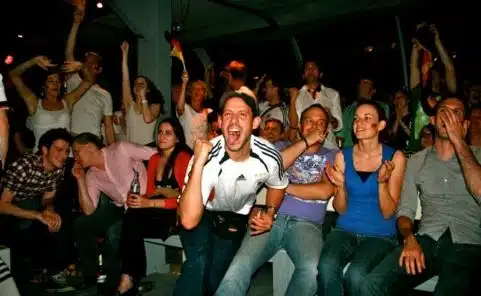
58 283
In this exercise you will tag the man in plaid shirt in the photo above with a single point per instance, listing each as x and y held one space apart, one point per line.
29 186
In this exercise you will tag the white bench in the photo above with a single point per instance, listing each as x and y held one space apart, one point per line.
282 266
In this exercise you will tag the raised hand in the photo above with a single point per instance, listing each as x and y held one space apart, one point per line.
78 171
456 129
412 257
293 93
201 150
72 66
78 16
335 175
185 78
385 172
125 47
316 136
44 62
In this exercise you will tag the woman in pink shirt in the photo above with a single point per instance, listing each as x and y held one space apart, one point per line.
166 173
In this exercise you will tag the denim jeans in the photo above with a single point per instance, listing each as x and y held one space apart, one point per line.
342 247
302 241
207 258
457 265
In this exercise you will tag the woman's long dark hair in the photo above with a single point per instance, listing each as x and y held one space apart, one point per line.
153 95
384 134
180 146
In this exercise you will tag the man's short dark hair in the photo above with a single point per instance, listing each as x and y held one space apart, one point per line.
447 96
318 106
237 70
52 135
88 138
281 125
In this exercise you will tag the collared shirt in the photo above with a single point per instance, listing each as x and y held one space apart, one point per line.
327 97
27 179
120 159
444 196
236 183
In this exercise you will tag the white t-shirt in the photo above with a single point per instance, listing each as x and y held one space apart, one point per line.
236 184
138 131
88 113
194 124
280 112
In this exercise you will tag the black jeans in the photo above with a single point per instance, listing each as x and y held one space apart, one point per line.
456 264
137 225
105 222
31 244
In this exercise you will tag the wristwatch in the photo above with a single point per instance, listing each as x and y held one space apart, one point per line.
274 210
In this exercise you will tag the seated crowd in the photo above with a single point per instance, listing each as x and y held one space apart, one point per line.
198 173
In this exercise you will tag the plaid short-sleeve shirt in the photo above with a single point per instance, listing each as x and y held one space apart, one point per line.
27 179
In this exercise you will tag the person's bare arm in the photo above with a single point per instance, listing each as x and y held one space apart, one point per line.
74 96
86 204
390 189
293 118
181 101
336 176
72 37
4 128
127 98
109 129
150 112
415 72
450 73
23 90
7 208
322 190
191 203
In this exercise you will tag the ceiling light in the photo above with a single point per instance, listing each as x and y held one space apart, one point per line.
100 5
20 36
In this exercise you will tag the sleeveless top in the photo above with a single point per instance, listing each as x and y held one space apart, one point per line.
363 215
138 131
43 120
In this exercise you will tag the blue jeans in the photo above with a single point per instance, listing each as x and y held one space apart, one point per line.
302 241
458 266
342 247
207 258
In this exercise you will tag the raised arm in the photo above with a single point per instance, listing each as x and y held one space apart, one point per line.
415 72
150 112
391 177
127 97
181 102
23 90
293 118
292 152
74 96
447 61
78 17
4 127
86 203
191 203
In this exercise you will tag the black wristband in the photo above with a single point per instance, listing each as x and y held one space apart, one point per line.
305 141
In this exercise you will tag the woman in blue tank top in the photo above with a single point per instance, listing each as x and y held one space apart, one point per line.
368 179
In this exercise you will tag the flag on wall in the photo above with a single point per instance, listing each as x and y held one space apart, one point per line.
177 52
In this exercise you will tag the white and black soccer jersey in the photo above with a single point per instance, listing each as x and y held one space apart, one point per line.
235 184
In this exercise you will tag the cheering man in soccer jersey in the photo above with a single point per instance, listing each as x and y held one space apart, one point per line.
224 177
